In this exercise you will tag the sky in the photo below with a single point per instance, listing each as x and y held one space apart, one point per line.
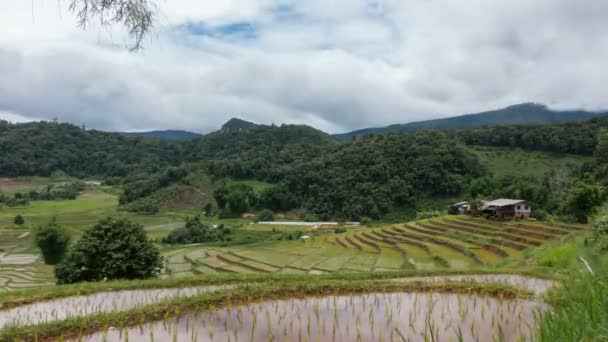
336 65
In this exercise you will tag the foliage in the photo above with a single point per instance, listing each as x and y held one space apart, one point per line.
43 148
583 198
143 185
196 232
265 215
19 220
136 15
143 206
340 230
368 177
578 310
112 249
599 227
570 137
235 198
53 241
475 205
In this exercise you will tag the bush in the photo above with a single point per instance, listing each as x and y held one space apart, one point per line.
340 230
112 249
144 206
19 220
308 217
196 232
53 242
540 214
265 215
366 221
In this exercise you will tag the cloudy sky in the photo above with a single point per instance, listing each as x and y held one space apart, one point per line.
336 65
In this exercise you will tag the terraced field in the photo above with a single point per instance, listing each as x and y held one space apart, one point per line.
18 268
444 242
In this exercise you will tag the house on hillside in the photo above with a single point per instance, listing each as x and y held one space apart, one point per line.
502 207
460 208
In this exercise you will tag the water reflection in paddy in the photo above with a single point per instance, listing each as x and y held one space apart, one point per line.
370 317
95 303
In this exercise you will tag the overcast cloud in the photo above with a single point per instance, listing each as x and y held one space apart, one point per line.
336 65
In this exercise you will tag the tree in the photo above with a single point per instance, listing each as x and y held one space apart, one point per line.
136 15
582 198
53 242
112 249
476 205
19 220
194 231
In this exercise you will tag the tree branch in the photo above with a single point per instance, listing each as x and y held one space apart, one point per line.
136 15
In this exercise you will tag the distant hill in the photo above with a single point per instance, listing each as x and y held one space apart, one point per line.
525 113
237 125
166 135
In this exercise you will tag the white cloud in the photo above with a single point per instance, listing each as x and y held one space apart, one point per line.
337 65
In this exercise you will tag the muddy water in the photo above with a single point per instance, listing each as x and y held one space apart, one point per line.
372 317
95 303
535 285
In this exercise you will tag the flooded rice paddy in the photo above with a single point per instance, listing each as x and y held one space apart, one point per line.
535 285
369 317
95 303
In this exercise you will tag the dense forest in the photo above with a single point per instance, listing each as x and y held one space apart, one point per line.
41 148
371 176
571 137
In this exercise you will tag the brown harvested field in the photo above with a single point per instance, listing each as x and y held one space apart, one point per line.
11 184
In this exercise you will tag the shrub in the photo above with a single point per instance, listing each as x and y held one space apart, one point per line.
196 232
340 230
265 215
366 221
144 206
53 242
112 249
308 217
19 220
540 214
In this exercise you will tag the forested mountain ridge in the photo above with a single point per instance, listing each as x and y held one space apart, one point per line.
521 114
165 134
41 148
567 137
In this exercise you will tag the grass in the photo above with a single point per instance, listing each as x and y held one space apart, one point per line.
578 310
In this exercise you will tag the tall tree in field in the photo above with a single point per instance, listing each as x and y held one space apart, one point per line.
112 249
53 242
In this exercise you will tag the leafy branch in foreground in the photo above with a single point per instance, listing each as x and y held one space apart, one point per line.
136 15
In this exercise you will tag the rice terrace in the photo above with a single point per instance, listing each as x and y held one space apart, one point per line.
329 171
448 277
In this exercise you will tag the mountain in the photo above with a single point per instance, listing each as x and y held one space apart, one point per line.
237 125
521 114
166 135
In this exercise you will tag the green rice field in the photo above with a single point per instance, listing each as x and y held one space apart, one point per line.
448 242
